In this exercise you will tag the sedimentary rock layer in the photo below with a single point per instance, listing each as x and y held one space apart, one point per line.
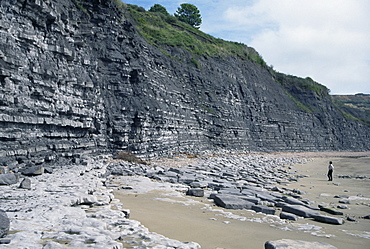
78 78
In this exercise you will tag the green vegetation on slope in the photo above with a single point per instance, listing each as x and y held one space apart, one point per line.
165 31
355 106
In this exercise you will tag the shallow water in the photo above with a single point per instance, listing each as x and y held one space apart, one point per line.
166 210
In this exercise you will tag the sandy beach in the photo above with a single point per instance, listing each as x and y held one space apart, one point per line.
166 210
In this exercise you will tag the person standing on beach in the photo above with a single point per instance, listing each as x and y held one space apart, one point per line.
330 172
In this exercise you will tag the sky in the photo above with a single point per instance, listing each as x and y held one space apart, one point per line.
327 40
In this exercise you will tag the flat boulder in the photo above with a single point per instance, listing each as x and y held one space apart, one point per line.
300 211
32 170
231 202
329 219
294 244
9 179
197 192
331 211
288 216
263 209
4 224
293 201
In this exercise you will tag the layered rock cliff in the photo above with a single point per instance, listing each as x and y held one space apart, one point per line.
76 77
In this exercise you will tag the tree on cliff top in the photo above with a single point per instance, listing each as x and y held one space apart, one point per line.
189 14
159 8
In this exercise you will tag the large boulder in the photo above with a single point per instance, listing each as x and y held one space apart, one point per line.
198 192
294 244
8 179
288 216
32 170
4 224
300 211
231 202
329 219
263 209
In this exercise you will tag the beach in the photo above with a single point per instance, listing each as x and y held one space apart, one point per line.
165 209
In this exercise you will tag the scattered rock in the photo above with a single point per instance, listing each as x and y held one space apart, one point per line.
288 243
32 170
344 201
300 211
231 202
9 179
5 241
367 217
48 170
342 206
198 192
263 209
288 216
351 219
330 211
329 219
4 224
25 184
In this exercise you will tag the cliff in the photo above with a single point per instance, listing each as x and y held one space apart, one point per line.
77 77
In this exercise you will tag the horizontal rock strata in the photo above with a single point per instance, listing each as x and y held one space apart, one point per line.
76 78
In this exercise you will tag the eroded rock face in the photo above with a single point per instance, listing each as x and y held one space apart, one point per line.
78 80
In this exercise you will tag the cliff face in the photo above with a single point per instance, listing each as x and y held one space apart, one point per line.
78 78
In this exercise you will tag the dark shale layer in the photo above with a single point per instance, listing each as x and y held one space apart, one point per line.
76 77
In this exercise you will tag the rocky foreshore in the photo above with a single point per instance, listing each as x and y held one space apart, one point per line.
73 206
238 182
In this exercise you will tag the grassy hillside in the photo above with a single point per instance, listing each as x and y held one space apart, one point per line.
358 106
164 31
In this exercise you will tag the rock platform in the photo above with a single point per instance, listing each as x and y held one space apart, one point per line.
72 208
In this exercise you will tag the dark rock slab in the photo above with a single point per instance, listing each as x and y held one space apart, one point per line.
351 219
293 201
231 202
32 170
288 216
198 192
4 224
288 243
331 211
5 241
263 209
9 179
252 199
300 211
329 219
231 191
267 197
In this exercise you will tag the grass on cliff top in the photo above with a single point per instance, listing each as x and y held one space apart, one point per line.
164 31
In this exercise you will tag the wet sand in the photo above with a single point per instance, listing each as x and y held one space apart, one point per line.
174 215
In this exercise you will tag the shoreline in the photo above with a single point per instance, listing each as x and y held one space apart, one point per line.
78 206
238 227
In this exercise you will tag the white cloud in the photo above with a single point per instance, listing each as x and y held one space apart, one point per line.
326 40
